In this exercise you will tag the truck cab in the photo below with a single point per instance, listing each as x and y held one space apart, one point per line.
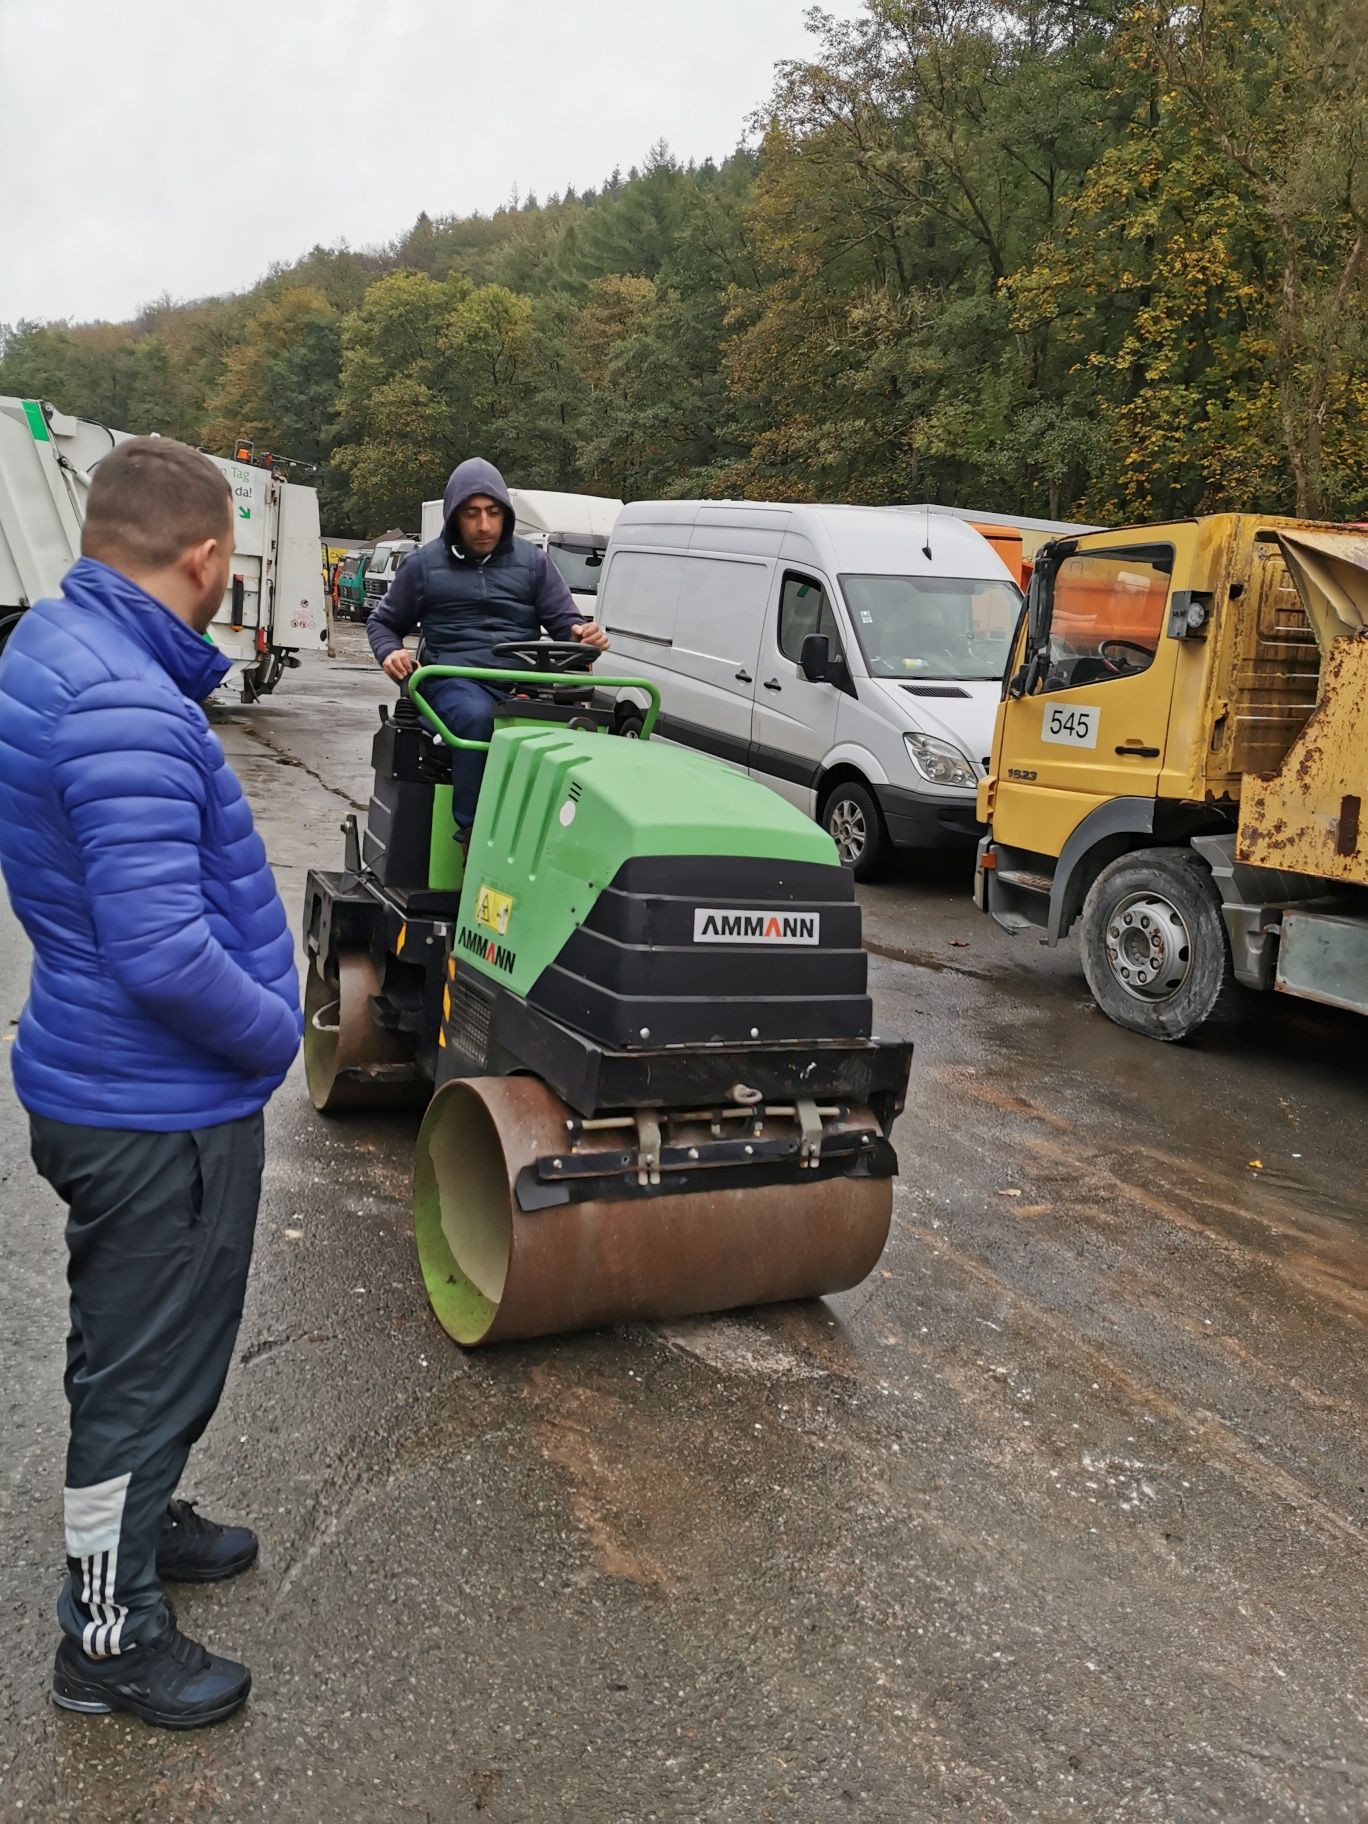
1163 680
380 571
351 586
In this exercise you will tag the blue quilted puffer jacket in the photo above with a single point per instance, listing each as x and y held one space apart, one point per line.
164 994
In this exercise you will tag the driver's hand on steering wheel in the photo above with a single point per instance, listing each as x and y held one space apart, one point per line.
589 633
399 665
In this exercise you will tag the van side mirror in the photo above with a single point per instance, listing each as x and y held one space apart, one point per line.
815 658
818 666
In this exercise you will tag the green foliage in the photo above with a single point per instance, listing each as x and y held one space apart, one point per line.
1102 258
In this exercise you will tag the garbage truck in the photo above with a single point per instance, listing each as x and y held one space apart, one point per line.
573 530
1180 765
275 606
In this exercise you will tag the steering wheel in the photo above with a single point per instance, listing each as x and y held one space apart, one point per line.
1127 646
549 655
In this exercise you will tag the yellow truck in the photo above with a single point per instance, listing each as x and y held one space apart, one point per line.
1179 765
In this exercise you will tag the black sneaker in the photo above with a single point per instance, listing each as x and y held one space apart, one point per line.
170 1681
191 1549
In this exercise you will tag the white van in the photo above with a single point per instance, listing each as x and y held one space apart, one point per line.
846 656
572 529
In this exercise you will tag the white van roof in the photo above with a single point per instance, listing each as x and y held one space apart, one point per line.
1019 522
838 540
542 510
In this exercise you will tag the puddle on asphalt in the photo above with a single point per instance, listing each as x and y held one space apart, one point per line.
924 959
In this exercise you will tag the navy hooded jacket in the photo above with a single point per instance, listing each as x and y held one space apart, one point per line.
164 995
468 605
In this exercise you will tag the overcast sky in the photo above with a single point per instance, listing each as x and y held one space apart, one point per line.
168 145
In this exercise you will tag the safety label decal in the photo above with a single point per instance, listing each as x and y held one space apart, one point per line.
492 910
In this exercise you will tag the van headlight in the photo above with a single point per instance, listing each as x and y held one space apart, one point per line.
940 762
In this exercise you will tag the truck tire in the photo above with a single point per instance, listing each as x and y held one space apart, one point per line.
1155 948
851 817
8 623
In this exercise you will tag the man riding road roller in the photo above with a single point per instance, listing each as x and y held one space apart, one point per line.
469 590
635 999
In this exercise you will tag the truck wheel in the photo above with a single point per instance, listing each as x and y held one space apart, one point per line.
1155 948
630 726
8 623
854 822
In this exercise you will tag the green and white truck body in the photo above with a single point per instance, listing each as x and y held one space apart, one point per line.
275 608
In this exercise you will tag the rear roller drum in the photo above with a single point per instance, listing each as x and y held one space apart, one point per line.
495 1271
349 1061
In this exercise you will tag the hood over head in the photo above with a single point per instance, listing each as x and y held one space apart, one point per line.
475 476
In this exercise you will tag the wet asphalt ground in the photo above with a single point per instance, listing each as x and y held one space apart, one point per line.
1061 1515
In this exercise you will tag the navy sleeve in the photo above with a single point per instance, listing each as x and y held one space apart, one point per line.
399 613
554 603
134 789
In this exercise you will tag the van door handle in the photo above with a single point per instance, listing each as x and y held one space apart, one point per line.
773 684
744 677
1138 753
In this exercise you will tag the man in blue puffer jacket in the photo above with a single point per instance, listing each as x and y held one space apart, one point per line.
473 588
163 1012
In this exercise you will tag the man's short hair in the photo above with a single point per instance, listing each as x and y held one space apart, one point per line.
152 499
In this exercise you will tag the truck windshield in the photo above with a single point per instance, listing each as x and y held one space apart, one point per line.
581 564
932 626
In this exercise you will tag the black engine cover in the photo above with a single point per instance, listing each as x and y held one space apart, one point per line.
778 960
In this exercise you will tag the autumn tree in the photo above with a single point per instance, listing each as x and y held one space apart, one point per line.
1281 94
1089 258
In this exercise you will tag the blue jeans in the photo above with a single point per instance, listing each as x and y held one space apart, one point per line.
467 708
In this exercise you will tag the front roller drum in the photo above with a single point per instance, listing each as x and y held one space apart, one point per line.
495 1271
349 1061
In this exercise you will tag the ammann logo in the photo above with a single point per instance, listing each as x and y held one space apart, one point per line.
713 926
498 956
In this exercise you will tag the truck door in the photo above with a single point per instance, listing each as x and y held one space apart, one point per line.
794 727
1096 672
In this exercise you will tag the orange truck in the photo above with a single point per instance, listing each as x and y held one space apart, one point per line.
1015 537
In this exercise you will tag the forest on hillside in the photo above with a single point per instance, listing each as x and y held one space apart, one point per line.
1082 258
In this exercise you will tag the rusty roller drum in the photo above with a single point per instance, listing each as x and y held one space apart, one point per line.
349 1061
496 1272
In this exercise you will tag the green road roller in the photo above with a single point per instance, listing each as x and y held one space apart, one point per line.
636 1009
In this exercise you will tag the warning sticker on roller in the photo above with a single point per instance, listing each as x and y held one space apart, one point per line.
714 926
493 910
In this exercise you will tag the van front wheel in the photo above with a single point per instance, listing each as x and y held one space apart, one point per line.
854 822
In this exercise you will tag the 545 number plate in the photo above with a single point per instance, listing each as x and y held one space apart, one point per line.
1070 724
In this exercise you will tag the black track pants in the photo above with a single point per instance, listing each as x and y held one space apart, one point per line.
159 1231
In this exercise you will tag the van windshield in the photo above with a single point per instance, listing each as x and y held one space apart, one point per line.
932 626
580 563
